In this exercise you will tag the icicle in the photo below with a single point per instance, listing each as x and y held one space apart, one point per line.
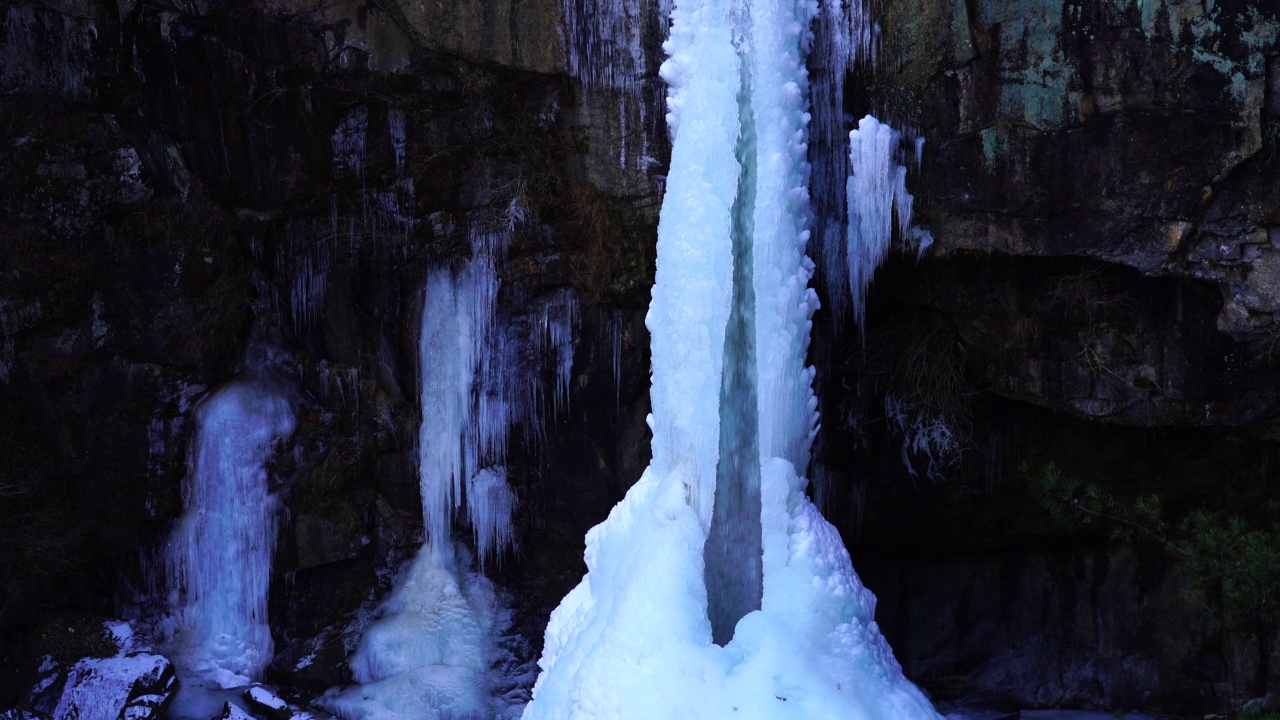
615 327
845 35
348 142
310 276
396 128
556 327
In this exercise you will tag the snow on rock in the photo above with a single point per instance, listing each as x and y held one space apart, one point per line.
267 703
145 707
132 686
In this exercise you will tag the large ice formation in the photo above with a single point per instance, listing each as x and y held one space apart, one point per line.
634 639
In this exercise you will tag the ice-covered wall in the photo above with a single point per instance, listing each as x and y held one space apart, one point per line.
603 41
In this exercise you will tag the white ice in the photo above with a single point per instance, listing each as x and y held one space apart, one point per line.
490 504
633 639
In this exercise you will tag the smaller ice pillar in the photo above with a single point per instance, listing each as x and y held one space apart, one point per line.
219 558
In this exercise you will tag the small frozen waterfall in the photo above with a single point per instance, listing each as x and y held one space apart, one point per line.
218 560
878 202
428 654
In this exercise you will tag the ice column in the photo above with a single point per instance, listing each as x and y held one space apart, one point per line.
448 367
219 558
633 639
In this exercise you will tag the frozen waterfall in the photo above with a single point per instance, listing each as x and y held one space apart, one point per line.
634 639
219 558
428 653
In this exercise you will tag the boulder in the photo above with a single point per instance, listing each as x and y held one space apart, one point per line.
267 703
135 686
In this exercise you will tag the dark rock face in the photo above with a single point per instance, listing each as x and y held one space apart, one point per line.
1100 181
984 596
1141 134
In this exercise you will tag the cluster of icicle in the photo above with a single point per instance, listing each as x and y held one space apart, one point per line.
429 652
848 196
634 639
845 36
480 376
877 195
